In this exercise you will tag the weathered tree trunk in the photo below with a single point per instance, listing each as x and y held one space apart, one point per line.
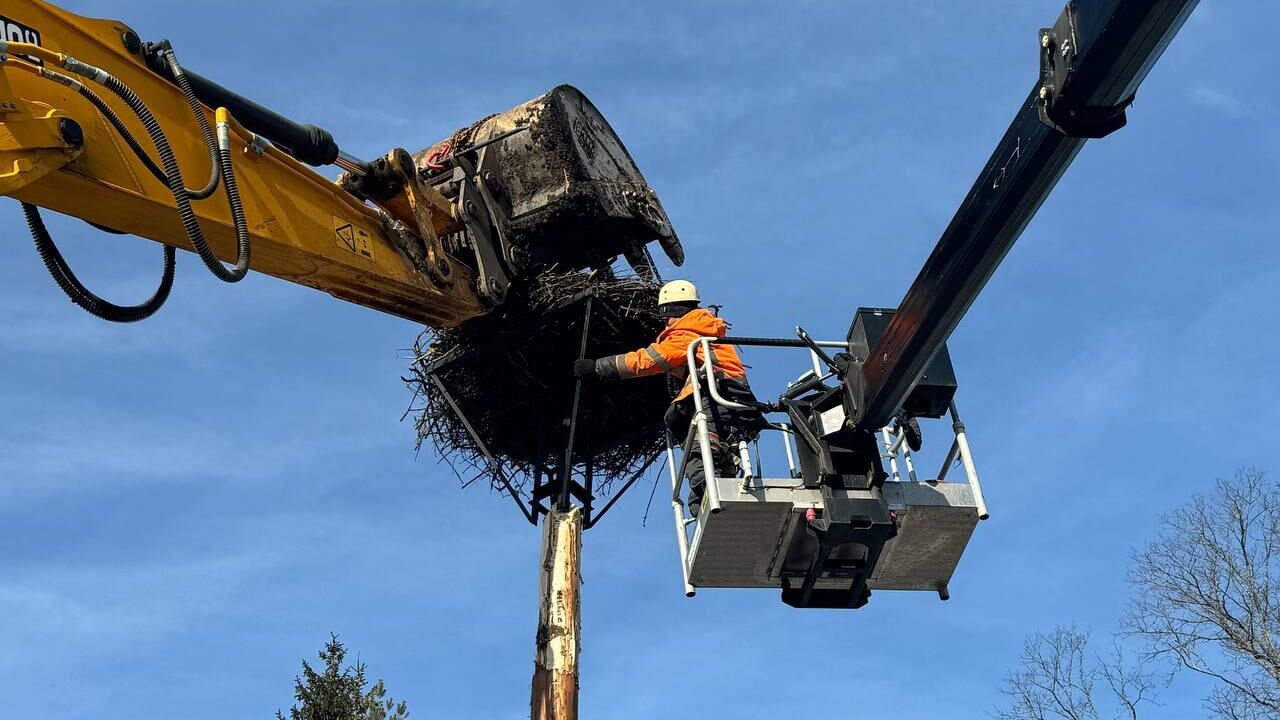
555 665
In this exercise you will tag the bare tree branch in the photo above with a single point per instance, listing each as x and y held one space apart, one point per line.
1207 594
1057 677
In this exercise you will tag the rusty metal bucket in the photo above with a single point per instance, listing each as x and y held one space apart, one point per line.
573 196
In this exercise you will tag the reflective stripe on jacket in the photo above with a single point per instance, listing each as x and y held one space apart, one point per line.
669 353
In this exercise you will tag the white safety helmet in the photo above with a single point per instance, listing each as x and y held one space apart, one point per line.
678 291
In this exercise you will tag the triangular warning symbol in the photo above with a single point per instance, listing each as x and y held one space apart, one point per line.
347 237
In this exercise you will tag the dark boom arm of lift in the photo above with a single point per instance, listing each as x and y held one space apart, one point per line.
1092 61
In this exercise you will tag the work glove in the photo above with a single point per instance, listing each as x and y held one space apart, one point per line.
584 368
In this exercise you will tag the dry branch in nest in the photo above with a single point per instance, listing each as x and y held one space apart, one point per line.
508 384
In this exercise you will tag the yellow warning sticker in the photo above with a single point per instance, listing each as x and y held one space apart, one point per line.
353 239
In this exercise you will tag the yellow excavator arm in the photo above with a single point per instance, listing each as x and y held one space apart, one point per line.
97 124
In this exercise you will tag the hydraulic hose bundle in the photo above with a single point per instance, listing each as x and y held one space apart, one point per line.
222 151
82 296
168 172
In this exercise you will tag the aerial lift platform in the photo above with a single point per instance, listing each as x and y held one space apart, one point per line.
838 525
828 531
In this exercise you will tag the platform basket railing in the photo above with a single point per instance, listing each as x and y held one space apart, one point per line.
899 455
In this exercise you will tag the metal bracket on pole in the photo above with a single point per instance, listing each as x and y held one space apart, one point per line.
494 464
597 517
566 473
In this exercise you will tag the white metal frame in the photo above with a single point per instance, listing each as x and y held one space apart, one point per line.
895 449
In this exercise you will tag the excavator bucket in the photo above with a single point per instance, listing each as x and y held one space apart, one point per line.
572 196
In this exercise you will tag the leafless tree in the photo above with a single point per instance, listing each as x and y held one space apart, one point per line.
1207 594
1057 677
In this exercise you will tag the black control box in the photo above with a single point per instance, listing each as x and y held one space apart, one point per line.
932 395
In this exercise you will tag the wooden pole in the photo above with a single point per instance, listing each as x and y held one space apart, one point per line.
555 664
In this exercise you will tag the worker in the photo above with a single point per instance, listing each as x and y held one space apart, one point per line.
686 322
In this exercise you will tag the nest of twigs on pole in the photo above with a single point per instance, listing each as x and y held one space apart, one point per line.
494 394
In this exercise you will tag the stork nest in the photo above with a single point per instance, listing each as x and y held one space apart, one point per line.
501 386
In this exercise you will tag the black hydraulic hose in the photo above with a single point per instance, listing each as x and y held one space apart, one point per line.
220 151
78 293
57 265
141 153
114 120
197 109
222 170
174 179
118 124
237 208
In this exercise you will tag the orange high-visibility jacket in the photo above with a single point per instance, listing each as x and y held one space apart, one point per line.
669 353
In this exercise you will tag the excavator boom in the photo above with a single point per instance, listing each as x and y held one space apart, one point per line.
427 239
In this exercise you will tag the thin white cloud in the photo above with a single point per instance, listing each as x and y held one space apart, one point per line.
1220 100
82 450
44 324
84 610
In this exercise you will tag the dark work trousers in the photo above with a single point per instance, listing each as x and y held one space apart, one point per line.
727 427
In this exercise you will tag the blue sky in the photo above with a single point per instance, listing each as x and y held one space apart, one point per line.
190 505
